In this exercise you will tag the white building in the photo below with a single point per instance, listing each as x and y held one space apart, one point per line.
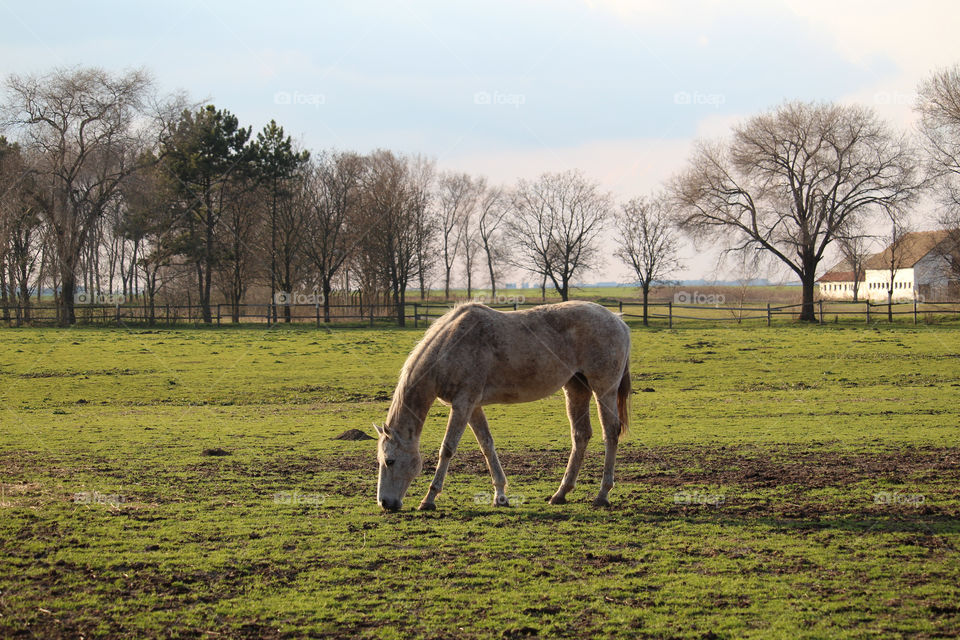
923 271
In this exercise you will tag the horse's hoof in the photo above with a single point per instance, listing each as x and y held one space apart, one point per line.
557 500
601 502
427 506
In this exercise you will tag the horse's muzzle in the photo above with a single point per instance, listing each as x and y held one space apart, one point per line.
389 504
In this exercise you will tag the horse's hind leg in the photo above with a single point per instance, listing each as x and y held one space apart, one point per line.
578 410
455 426
478 422
610 419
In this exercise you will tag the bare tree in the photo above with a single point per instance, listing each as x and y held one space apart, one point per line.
21 231
647 241
290 237
895 256
790 179
82 124
241 227
456 198
333 190
153 209
556 221
424 220
855 251
468 232
395 199
939 108
492 209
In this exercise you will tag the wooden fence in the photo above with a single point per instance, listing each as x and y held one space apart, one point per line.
659 313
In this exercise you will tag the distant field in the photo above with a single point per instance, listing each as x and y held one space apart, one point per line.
778 294
794 481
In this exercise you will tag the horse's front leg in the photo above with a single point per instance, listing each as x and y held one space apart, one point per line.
455 426
478 422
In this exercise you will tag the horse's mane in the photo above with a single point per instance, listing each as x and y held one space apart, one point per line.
419 353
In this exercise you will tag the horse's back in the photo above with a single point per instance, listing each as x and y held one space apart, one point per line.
527 355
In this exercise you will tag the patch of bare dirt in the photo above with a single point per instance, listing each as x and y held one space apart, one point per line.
354 434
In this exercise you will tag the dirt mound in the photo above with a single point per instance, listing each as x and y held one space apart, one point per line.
215 452
353 434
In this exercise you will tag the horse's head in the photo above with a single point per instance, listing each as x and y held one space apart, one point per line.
400 463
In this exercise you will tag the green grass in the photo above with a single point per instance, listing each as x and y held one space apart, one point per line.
797 481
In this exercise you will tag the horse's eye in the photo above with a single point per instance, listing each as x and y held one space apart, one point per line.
390 462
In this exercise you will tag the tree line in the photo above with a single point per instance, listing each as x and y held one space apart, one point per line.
107 187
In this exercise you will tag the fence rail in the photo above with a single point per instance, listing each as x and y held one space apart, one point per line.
659 313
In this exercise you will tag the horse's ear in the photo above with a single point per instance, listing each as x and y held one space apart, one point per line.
378 428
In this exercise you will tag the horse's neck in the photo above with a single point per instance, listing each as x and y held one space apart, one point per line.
411 402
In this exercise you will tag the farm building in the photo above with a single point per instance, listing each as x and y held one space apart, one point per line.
922 267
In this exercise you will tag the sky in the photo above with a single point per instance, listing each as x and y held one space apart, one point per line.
507 89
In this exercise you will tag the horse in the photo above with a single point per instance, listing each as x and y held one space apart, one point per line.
473 356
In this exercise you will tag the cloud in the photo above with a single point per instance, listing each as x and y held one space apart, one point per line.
914 35
627 168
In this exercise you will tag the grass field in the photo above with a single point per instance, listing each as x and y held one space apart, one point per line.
799 481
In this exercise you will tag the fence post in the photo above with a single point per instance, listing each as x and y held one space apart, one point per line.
218 314
317 306
371 314
620 303
768 314
118 315
670 312
914 311
516 305
268 315
416 316
820 302
868 311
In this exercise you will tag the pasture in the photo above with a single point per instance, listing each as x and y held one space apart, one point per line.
794 481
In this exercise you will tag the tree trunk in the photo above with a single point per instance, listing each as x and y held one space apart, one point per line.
3 296
287 285
646 295
272 310
326 298
208 274
199 265
399 297
68 287
25 295
151 301
807 312
493 282
423 282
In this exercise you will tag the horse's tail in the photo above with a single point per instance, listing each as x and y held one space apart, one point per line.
623 400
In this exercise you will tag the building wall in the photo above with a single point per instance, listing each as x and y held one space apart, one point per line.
878 280
841 291
933 277
874 287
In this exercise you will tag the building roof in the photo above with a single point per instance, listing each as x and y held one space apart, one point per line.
910 250
836 276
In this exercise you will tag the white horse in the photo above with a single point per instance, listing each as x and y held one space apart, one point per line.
474 356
